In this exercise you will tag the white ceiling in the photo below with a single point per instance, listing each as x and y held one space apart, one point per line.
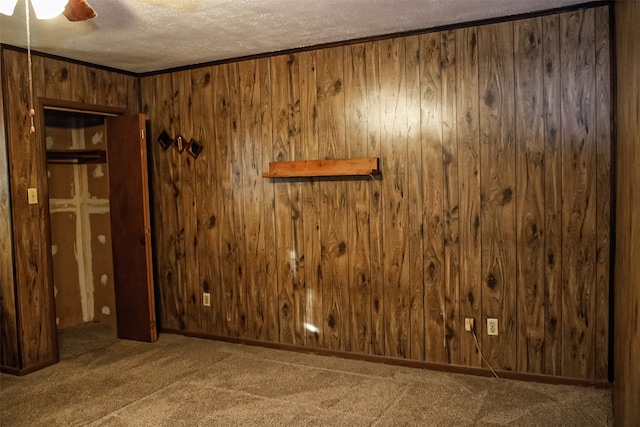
149 35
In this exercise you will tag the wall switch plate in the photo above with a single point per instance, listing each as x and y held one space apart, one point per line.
492 326
33 196
469 324
206 299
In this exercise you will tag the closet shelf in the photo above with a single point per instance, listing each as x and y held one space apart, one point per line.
80 157
318 168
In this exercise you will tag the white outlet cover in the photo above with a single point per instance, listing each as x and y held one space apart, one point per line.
492 326
468 324
33 196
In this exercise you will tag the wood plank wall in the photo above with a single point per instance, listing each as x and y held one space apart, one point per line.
494 145
8 325
626 391
62 80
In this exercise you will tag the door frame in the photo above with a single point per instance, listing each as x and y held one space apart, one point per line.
71 106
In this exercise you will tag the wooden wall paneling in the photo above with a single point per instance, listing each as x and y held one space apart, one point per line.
577 38
225 176
253 202
112 89
451 225
47 345
358 190
151 108
552 195
57 78
185 89
286 197
529 146
237 126
603 191
374 148
81 84
433 186
9 350
415 197
36 329
271 276
626 387
468 132
311 202
133 99
208 239
465 185
115 89
299 292
497 187
335 251
166 188
46 327
393 141
180 181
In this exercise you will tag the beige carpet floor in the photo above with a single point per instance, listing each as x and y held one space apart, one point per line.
180 381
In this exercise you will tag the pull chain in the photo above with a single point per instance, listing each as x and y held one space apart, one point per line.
32 112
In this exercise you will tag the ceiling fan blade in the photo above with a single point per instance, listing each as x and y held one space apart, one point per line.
79 10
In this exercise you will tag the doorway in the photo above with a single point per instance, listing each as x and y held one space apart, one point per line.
100 266
78 181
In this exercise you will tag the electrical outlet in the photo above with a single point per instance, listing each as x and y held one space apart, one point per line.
469 324
33 196
206 299
492 326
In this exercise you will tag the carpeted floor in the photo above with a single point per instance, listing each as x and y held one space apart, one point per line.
180 381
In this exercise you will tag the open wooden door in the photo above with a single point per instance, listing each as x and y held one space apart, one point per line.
131 227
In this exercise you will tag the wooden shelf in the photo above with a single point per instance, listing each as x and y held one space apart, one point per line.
80 157
335 167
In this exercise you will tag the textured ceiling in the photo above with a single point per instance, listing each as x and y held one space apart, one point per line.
150 35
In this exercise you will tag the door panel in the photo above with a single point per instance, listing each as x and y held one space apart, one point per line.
130 227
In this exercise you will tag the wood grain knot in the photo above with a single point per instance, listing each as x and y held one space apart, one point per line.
551 259
548 66
342 248
331 321
450 332
337 87
507 195
489 99
492 282
431 270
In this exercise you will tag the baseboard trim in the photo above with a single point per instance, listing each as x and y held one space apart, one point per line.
419 364
19 372
10 371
